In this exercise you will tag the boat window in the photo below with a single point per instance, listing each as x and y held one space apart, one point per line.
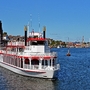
13 49
44 62
21 63
41 42
53 62
38 43
26 61
35 62
21 49
34 43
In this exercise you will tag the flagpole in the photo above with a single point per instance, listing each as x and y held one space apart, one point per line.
28 28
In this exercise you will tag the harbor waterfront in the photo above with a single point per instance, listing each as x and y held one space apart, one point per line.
73 75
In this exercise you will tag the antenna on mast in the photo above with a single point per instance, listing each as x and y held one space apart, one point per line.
28 28
39 22
31 20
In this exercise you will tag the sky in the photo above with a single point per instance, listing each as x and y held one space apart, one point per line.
65 20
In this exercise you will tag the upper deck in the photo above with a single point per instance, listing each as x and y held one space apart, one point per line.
35 43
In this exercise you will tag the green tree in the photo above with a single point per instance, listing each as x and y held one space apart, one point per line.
5 34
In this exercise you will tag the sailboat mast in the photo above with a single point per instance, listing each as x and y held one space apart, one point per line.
68 53
68 42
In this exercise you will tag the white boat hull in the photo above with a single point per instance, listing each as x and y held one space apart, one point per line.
49 74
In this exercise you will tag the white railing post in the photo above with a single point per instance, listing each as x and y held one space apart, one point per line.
48 63
40 63
23 62
30 62
51 61
20 62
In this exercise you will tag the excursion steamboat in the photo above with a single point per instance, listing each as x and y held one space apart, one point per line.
31 57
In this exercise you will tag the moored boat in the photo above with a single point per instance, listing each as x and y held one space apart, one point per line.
30 58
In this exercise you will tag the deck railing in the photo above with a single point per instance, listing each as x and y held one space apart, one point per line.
16 43
30 54
36 67
53 54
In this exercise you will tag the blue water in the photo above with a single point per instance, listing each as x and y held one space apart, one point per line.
74 74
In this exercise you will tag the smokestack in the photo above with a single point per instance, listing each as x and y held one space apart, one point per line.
1 32
25 29
44 30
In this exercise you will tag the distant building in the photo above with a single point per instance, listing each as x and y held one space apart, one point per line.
78 45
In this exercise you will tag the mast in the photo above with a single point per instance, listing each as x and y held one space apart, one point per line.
28 28
29 23
39 22
68 53
31 20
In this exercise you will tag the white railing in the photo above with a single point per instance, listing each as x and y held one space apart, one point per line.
16 43
38 54
36 67
30 54
10 52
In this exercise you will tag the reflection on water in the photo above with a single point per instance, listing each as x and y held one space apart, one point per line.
2 82
12 81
